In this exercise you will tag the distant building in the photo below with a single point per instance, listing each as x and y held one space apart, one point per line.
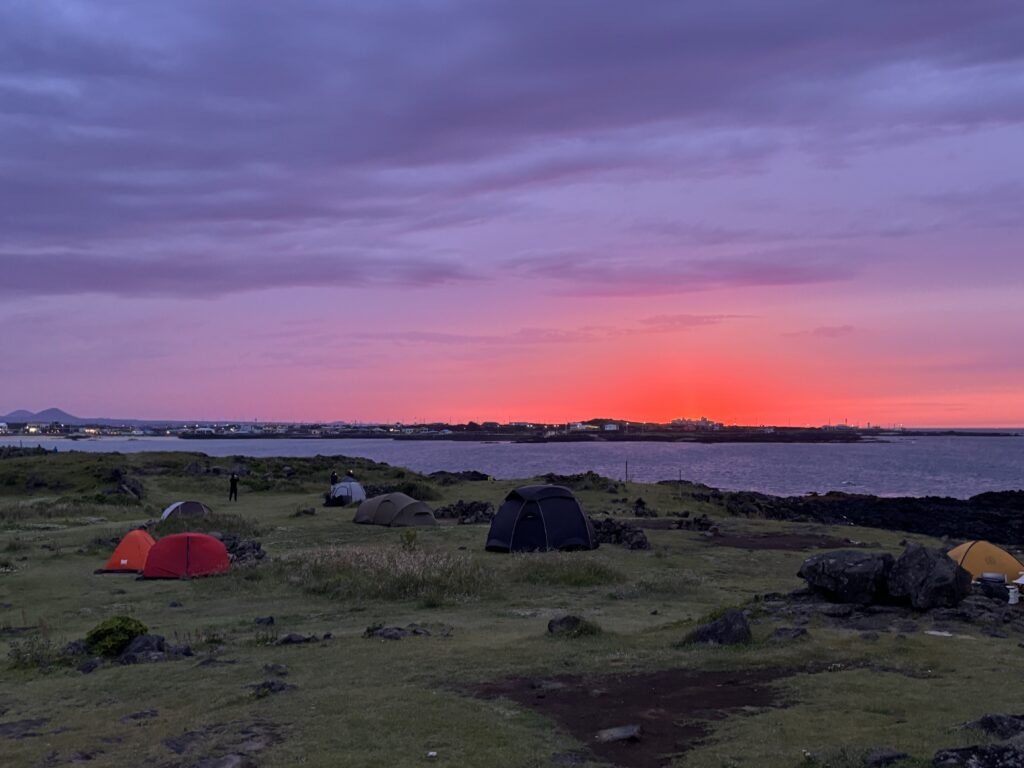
3 428
702 423
611 427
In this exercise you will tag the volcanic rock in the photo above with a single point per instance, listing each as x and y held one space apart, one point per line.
928 578
847 576
731 629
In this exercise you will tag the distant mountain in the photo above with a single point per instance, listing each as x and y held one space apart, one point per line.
63 417
50 414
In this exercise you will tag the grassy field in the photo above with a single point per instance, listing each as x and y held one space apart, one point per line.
370 702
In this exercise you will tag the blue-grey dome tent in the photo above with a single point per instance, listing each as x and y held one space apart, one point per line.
540 517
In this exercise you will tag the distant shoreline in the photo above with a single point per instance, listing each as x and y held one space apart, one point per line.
724 436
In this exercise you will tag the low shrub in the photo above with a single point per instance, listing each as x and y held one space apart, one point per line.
565 569
111 637
388 573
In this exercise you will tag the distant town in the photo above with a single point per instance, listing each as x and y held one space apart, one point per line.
683 429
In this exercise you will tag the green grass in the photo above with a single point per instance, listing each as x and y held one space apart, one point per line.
360 701
564 569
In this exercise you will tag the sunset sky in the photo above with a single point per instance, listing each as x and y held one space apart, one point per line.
788 212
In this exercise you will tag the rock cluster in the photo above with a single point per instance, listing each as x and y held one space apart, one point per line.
981 756
151 648
731 629
700 523
572 626
612 531
241 551
141 650
395 633
640 508
467 512
922 578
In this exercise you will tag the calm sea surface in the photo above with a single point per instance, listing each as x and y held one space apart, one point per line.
922 466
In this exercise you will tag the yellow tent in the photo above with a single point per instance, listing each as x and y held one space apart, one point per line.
980 557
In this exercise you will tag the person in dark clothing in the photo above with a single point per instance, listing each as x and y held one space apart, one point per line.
233 487
334 478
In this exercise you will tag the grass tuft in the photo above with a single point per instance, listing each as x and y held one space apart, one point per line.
565 569
379 573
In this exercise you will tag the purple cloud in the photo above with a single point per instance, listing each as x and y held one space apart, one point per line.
379 126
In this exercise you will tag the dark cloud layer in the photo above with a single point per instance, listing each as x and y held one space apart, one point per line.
257 123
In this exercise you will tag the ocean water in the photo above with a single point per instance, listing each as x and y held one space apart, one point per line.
903 466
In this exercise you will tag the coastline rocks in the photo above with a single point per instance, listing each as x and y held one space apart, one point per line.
928 579
585 481
846 576
994 516
452 478
608 530
731 629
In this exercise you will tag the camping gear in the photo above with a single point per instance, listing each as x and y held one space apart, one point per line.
182 555
395 510
344 493
186 509
1014 594
540 517
982 558
130 554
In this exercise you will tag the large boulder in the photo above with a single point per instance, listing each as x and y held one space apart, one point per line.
731 629
928 578
848 576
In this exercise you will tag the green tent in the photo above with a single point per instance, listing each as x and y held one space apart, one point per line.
395 510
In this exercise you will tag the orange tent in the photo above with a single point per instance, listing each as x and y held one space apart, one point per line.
130 555
980 557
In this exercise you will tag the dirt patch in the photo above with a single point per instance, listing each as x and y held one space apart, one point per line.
223 743
22 729
674 708
792 541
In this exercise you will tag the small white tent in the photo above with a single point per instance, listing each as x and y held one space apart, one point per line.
345 492
185 509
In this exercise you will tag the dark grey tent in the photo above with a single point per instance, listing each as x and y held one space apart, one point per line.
394 509
540 517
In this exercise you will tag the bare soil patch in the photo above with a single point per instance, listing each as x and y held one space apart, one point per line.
674 708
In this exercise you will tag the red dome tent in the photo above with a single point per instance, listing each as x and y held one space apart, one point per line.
131 554
182 555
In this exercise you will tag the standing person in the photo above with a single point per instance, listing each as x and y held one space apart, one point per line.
334 477
233 487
